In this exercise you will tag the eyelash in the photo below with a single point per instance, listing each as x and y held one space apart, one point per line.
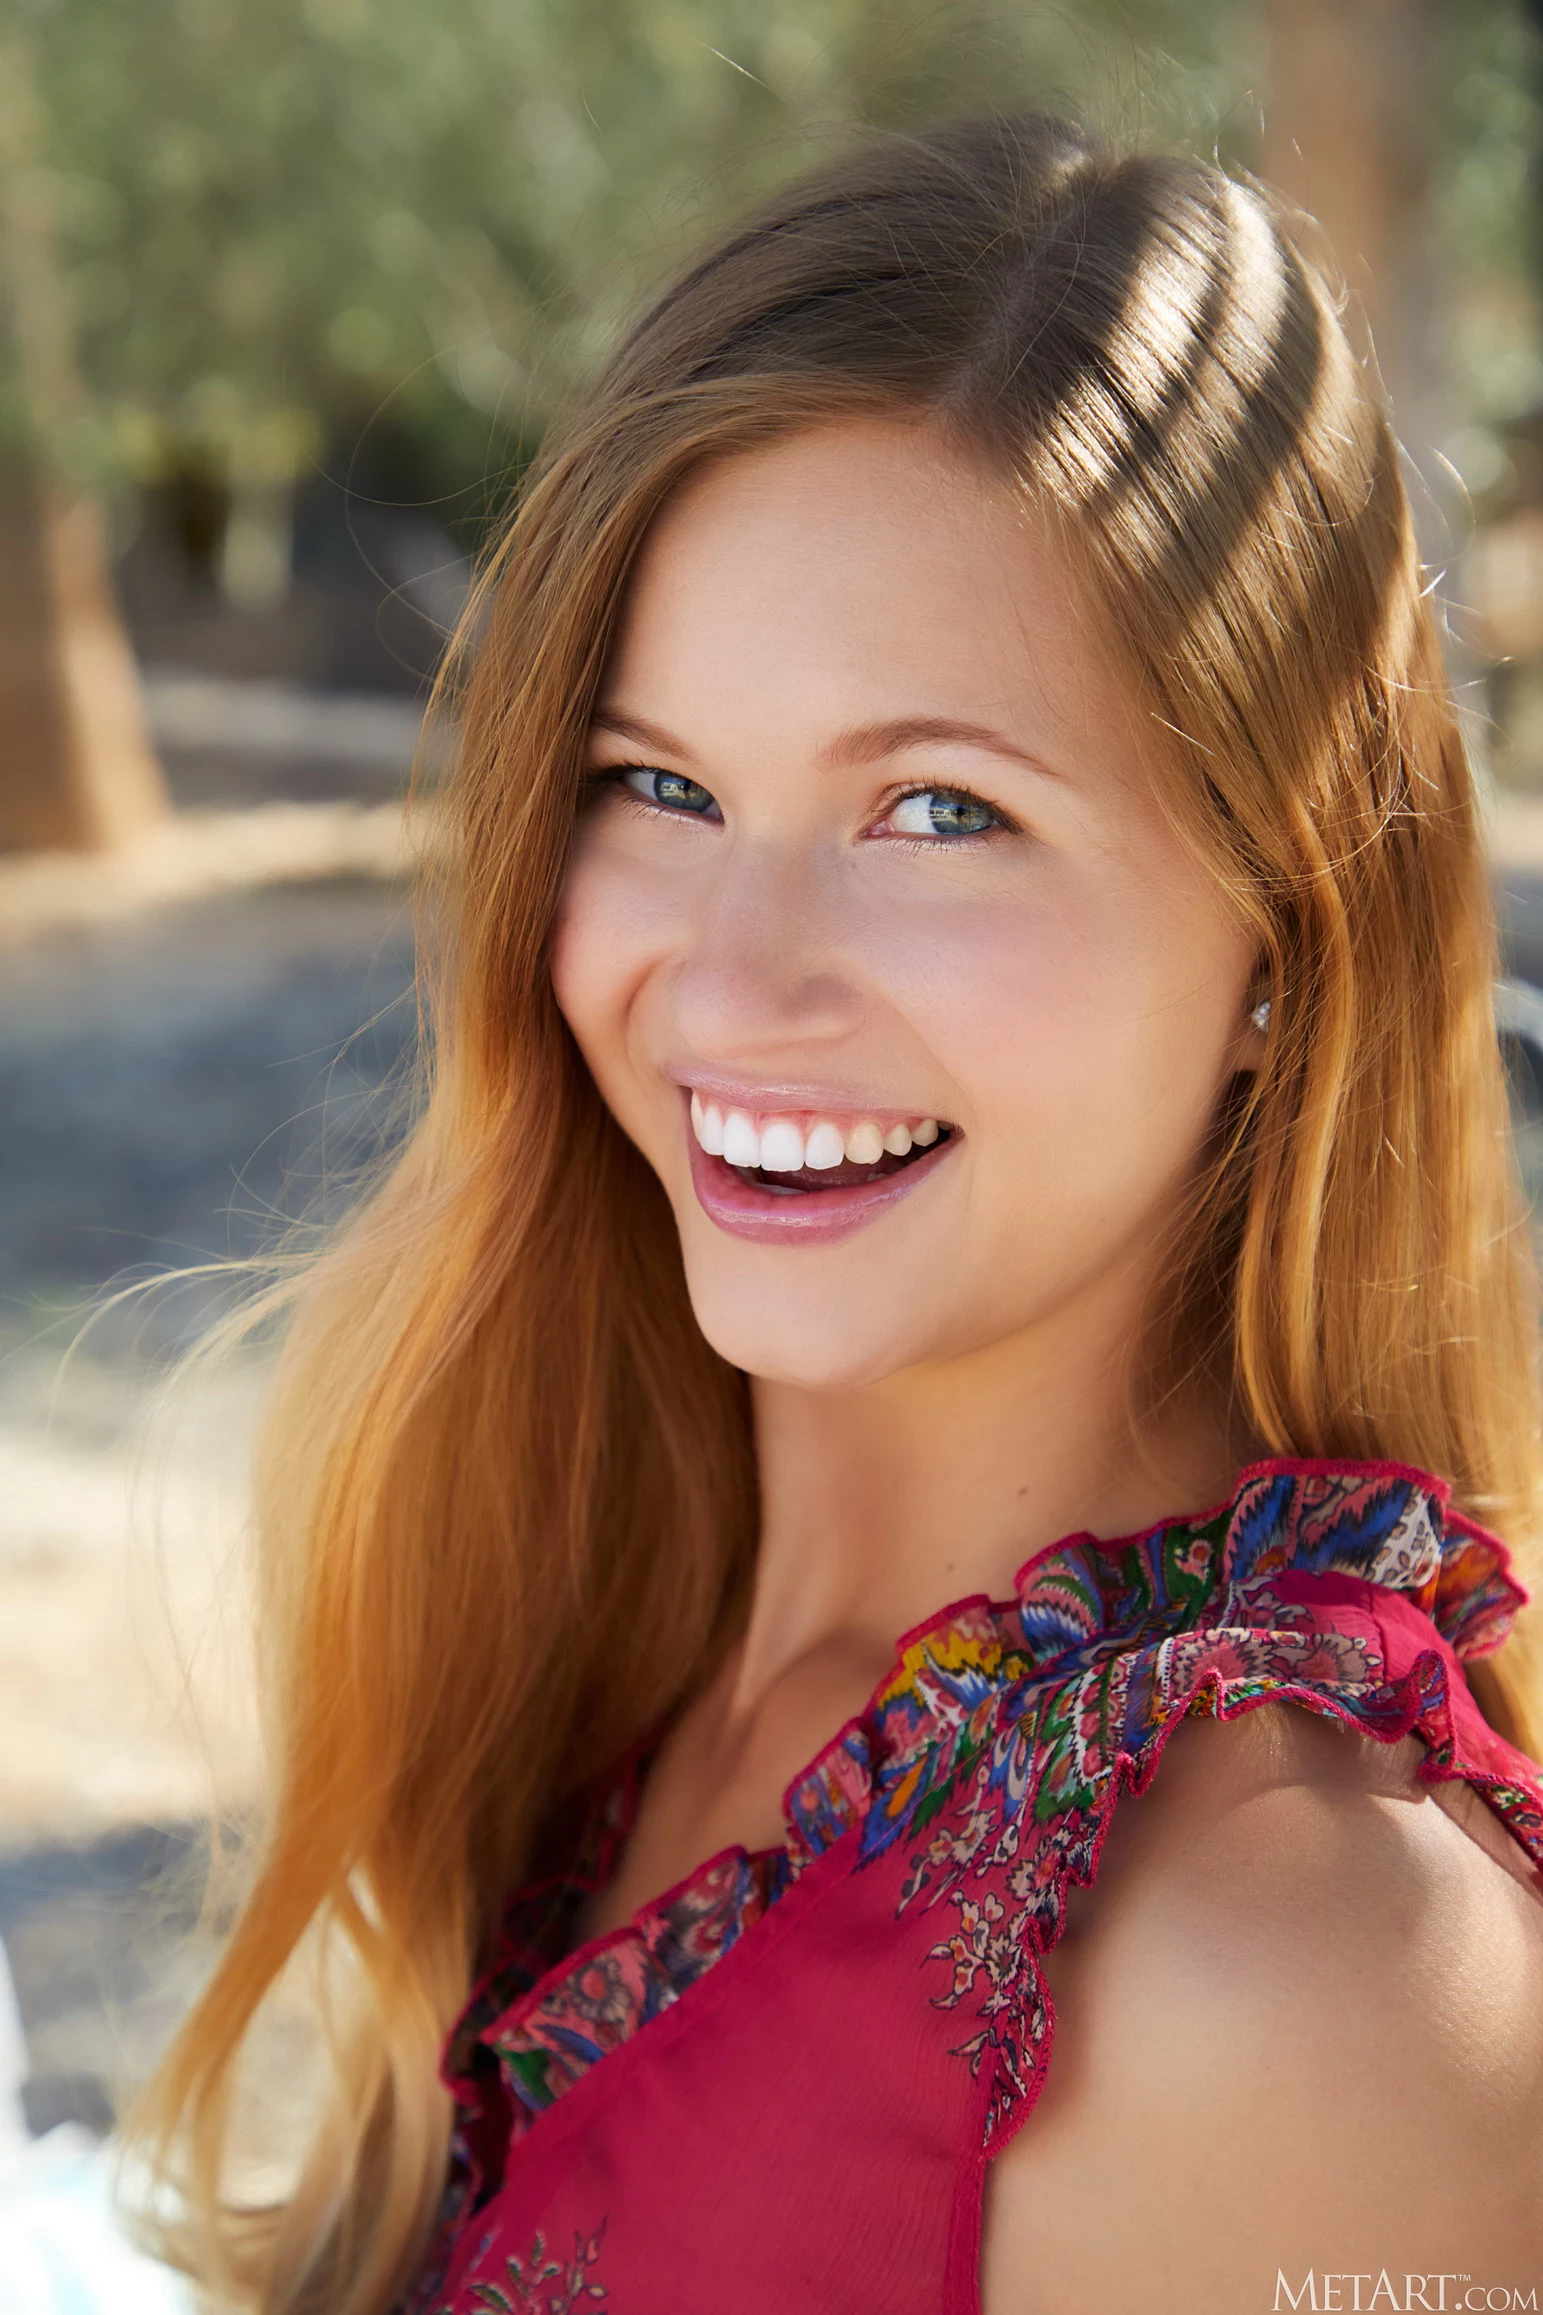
1004 825
614 776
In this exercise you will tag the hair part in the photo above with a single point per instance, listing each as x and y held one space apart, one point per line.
506 1491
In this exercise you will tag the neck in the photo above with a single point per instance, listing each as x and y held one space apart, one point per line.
882 1505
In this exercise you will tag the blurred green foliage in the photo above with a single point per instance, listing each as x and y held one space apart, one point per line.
272 222
1489 203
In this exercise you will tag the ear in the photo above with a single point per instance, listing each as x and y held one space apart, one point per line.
1253 1037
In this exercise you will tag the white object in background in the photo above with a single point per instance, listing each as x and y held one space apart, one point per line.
14 2068
61 2251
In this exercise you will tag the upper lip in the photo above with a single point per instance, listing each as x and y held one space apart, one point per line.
783 1098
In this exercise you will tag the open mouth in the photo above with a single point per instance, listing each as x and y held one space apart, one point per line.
845 1176
770 1177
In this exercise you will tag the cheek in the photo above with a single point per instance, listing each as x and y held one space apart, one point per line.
599 952
615 925
624 909
1089 1033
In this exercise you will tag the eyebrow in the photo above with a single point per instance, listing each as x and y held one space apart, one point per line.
865 743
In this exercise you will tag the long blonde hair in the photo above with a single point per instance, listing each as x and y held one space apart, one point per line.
506 1491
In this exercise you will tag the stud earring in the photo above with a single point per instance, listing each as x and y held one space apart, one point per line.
1260 1016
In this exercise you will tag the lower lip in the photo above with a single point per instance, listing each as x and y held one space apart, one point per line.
802 1217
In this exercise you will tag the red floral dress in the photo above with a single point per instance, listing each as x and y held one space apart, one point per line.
778 2086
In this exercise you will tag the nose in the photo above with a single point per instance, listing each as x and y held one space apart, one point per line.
766 969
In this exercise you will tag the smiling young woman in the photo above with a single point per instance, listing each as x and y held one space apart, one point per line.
962 1028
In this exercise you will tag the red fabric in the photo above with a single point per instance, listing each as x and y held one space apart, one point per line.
798 2113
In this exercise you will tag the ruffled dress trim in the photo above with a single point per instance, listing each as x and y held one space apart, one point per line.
1052 1701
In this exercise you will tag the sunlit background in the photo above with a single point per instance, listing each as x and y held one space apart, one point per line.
287 294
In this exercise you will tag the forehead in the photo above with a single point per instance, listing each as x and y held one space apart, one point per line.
851 568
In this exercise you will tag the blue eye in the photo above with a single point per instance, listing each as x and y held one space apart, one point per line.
942 812
670 791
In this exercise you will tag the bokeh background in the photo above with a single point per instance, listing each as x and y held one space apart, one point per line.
287 295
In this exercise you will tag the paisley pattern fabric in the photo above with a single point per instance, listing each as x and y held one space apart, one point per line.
1202 1624
986 1767
538 2284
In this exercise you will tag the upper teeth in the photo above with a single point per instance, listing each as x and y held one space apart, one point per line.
782 1145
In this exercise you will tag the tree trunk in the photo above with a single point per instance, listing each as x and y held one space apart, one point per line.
77 770
1348 100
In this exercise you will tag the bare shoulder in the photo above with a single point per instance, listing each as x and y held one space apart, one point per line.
1299 2031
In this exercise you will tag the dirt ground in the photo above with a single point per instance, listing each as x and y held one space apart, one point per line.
175 1084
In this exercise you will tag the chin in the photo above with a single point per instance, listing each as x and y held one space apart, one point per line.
806 1348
